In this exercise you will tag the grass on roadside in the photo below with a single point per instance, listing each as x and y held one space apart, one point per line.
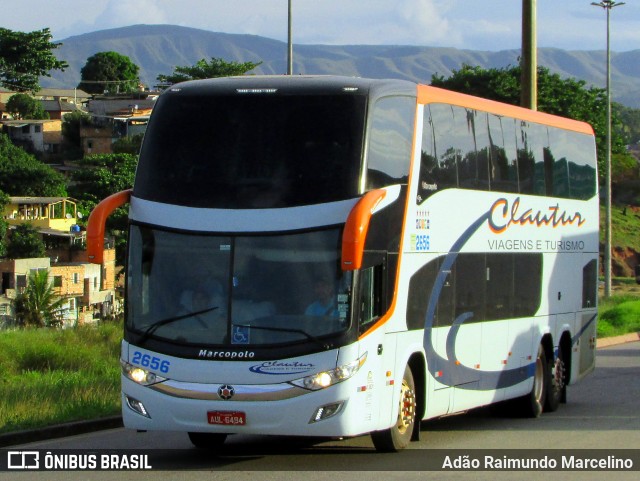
50 376
620 313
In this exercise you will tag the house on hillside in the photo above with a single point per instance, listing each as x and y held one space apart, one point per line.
113 118
47 213
56 102
73 96
88 289
55 218
35 136
57 109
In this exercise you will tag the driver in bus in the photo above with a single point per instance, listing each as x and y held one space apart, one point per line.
209 310
325 304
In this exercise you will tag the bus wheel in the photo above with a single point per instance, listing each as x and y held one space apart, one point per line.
533 403
557 385
398 436
207 440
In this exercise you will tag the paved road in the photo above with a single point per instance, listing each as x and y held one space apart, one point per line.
603 412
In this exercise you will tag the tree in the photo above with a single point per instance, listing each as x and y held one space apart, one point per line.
128 145
22 174
100 176
109 72
25 57
202 69
38 305
629 126
25 243
71 124
565 97
23 106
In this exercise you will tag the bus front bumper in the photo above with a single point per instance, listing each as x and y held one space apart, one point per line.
286 410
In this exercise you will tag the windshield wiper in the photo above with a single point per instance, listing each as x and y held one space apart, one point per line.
324 345
152 328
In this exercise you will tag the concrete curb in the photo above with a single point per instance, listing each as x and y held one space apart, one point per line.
614 341
80 427
59 431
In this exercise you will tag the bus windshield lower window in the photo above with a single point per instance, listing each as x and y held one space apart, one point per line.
220 290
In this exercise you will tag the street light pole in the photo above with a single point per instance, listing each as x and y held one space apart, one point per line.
290 43
529 61
608 5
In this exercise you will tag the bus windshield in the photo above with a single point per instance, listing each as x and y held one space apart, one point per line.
240 151
244 290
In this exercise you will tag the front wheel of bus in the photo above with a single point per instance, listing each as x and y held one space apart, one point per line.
207 440
398 436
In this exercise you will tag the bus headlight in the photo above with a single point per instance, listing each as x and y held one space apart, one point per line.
140 375
321 380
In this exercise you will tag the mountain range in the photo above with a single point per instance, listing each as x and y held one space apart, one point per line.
157 49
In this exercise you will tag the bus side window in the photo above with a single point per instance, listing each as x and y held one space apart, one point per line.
369 296
441 153
582 167
526 163
503 168
390 142
590 284
540 145
575 165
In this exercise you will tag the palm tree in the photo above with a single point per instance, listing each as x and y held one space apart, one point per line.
38 305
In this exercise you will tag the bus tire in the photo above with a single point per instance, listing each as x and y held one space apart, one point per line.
532 404
398 436
207 440
557 387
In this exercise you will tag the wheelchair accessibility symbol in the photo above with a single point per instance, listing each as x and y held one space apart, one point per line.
240 335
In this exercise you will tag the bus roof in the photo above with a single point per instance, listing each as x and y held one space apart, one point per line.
374 88
296 84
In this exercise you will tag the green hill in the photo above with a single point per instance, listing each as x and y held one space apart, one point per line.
159 48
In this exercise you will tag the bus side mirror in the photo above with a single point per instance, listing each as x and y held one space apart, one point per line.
356 227
97 221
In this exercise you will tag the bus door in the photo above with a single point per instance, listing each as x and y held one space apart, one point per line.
586 343
584 339
369 304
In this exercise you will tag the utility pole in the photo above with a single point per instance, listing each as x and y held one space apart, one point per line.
608 5
290 43
529 59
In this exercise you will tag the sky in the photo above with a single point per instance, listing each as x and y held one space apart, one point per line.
465 24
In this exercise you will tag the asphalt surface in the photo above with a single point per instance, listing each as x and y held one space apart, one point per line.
80 427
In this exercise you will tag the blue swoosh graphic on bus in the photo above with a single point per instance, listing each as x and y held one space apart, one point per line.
575 338
448 371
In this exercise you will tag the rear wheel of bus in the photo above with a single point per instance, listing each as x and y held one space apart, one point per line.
557 389
398 436
532 404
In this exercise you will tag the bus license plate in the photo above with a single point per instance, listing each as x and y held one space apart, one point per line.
227 418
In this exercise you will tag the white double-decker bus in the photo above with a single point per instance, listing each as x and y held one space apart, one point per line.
333 256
